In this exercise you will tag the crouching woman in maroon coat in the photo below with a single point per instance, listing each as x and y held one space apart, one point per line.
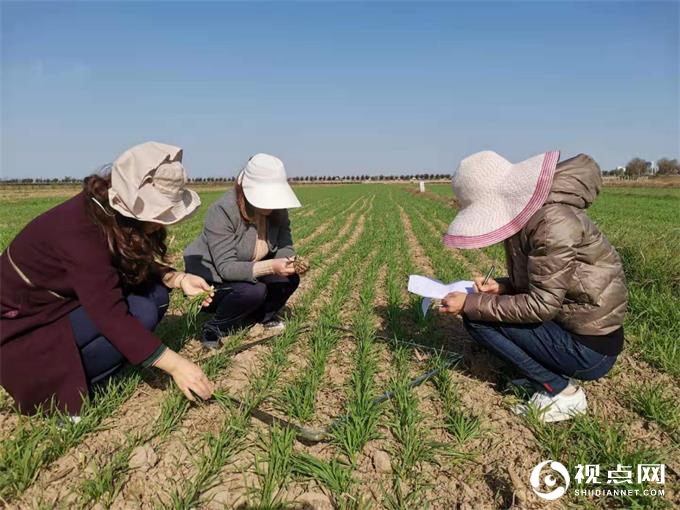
83 285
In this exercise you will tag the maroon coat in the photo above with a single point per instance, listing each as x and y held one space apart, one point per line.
65 252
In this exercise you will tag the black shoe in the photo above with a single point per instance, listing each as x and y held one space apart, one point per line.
274 324
211 337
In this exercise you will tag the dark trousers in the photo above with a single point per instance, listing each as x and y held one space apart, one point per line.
237 304
100 358
545 353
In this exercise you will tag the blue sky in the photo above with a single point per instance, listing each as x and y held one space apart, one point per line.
336 87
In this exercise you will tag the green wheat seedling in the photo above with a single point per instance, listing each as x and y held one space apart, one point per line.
591 439
261 386
333 474
56 434
41 439
274 466
298 398
337 221
360 424
447 267
103 487
651 401
175 404
441 216
22 455
425 215
277 359
362 415
219 447
461 426
443 213
646 241
19 470
191 309
106 482
414 447
210 463
335 210
405 497
653 325
329 475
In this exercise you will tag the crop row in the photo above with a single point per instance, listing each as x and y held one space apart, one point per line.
53 435
222 445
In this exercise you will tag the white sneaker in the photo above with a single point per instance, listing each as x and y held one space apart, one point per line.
64 424
557 408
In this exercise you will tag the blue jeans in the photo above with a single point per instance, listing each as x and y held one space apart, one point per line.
545 353
100 358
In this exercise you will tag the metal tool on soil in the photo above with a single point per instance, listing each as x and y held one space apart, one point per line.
312 435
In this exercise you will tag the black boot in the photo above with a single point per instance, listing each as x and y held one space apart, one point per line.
211 336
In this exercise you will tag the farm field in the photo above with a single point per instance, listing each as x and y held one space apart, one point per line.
451 442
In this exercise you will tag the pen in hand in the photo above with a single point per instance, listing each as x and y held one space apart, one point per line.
488 275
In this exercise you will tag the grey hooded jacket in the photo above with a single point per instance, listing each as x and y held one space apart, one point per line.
560 266
224 250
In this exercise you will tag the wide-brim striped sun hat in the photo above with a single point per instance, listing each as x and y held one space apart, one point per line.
497 198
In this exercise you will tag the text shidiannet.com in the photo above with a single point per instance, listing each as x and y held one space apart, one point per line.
599 493
551 480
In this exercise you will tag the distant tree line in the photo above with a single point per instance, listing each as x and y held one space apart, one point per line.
345 178
638 167
635 168
366 177
302 179
42 180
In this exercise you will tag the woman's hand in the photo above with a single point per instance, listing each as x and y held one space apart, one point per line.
283 267
490 287
188 376
453 302
193 285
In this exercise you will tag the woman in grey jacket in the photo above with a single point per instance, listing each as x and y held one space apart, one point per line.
246 250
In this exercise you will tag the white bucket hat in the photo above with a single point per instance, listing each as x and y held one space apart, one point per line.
497 198
148 183
265 184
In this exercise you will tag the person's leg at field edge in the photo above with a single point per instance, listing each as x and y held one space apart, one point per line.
548 355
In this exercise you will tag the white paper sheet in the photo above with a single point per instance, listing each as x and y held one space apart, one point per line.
431 288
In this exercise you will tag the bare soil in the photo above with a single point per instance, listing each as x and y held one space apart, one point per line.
490 471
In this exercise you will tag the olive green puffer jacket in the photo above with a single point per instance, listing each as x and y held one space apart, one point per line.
560 266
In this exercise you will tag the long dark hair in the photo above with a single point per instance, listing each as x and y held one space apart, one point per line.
138 255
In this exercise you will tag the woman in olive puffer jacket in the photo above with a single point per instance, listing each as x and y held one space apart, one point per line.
559 314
